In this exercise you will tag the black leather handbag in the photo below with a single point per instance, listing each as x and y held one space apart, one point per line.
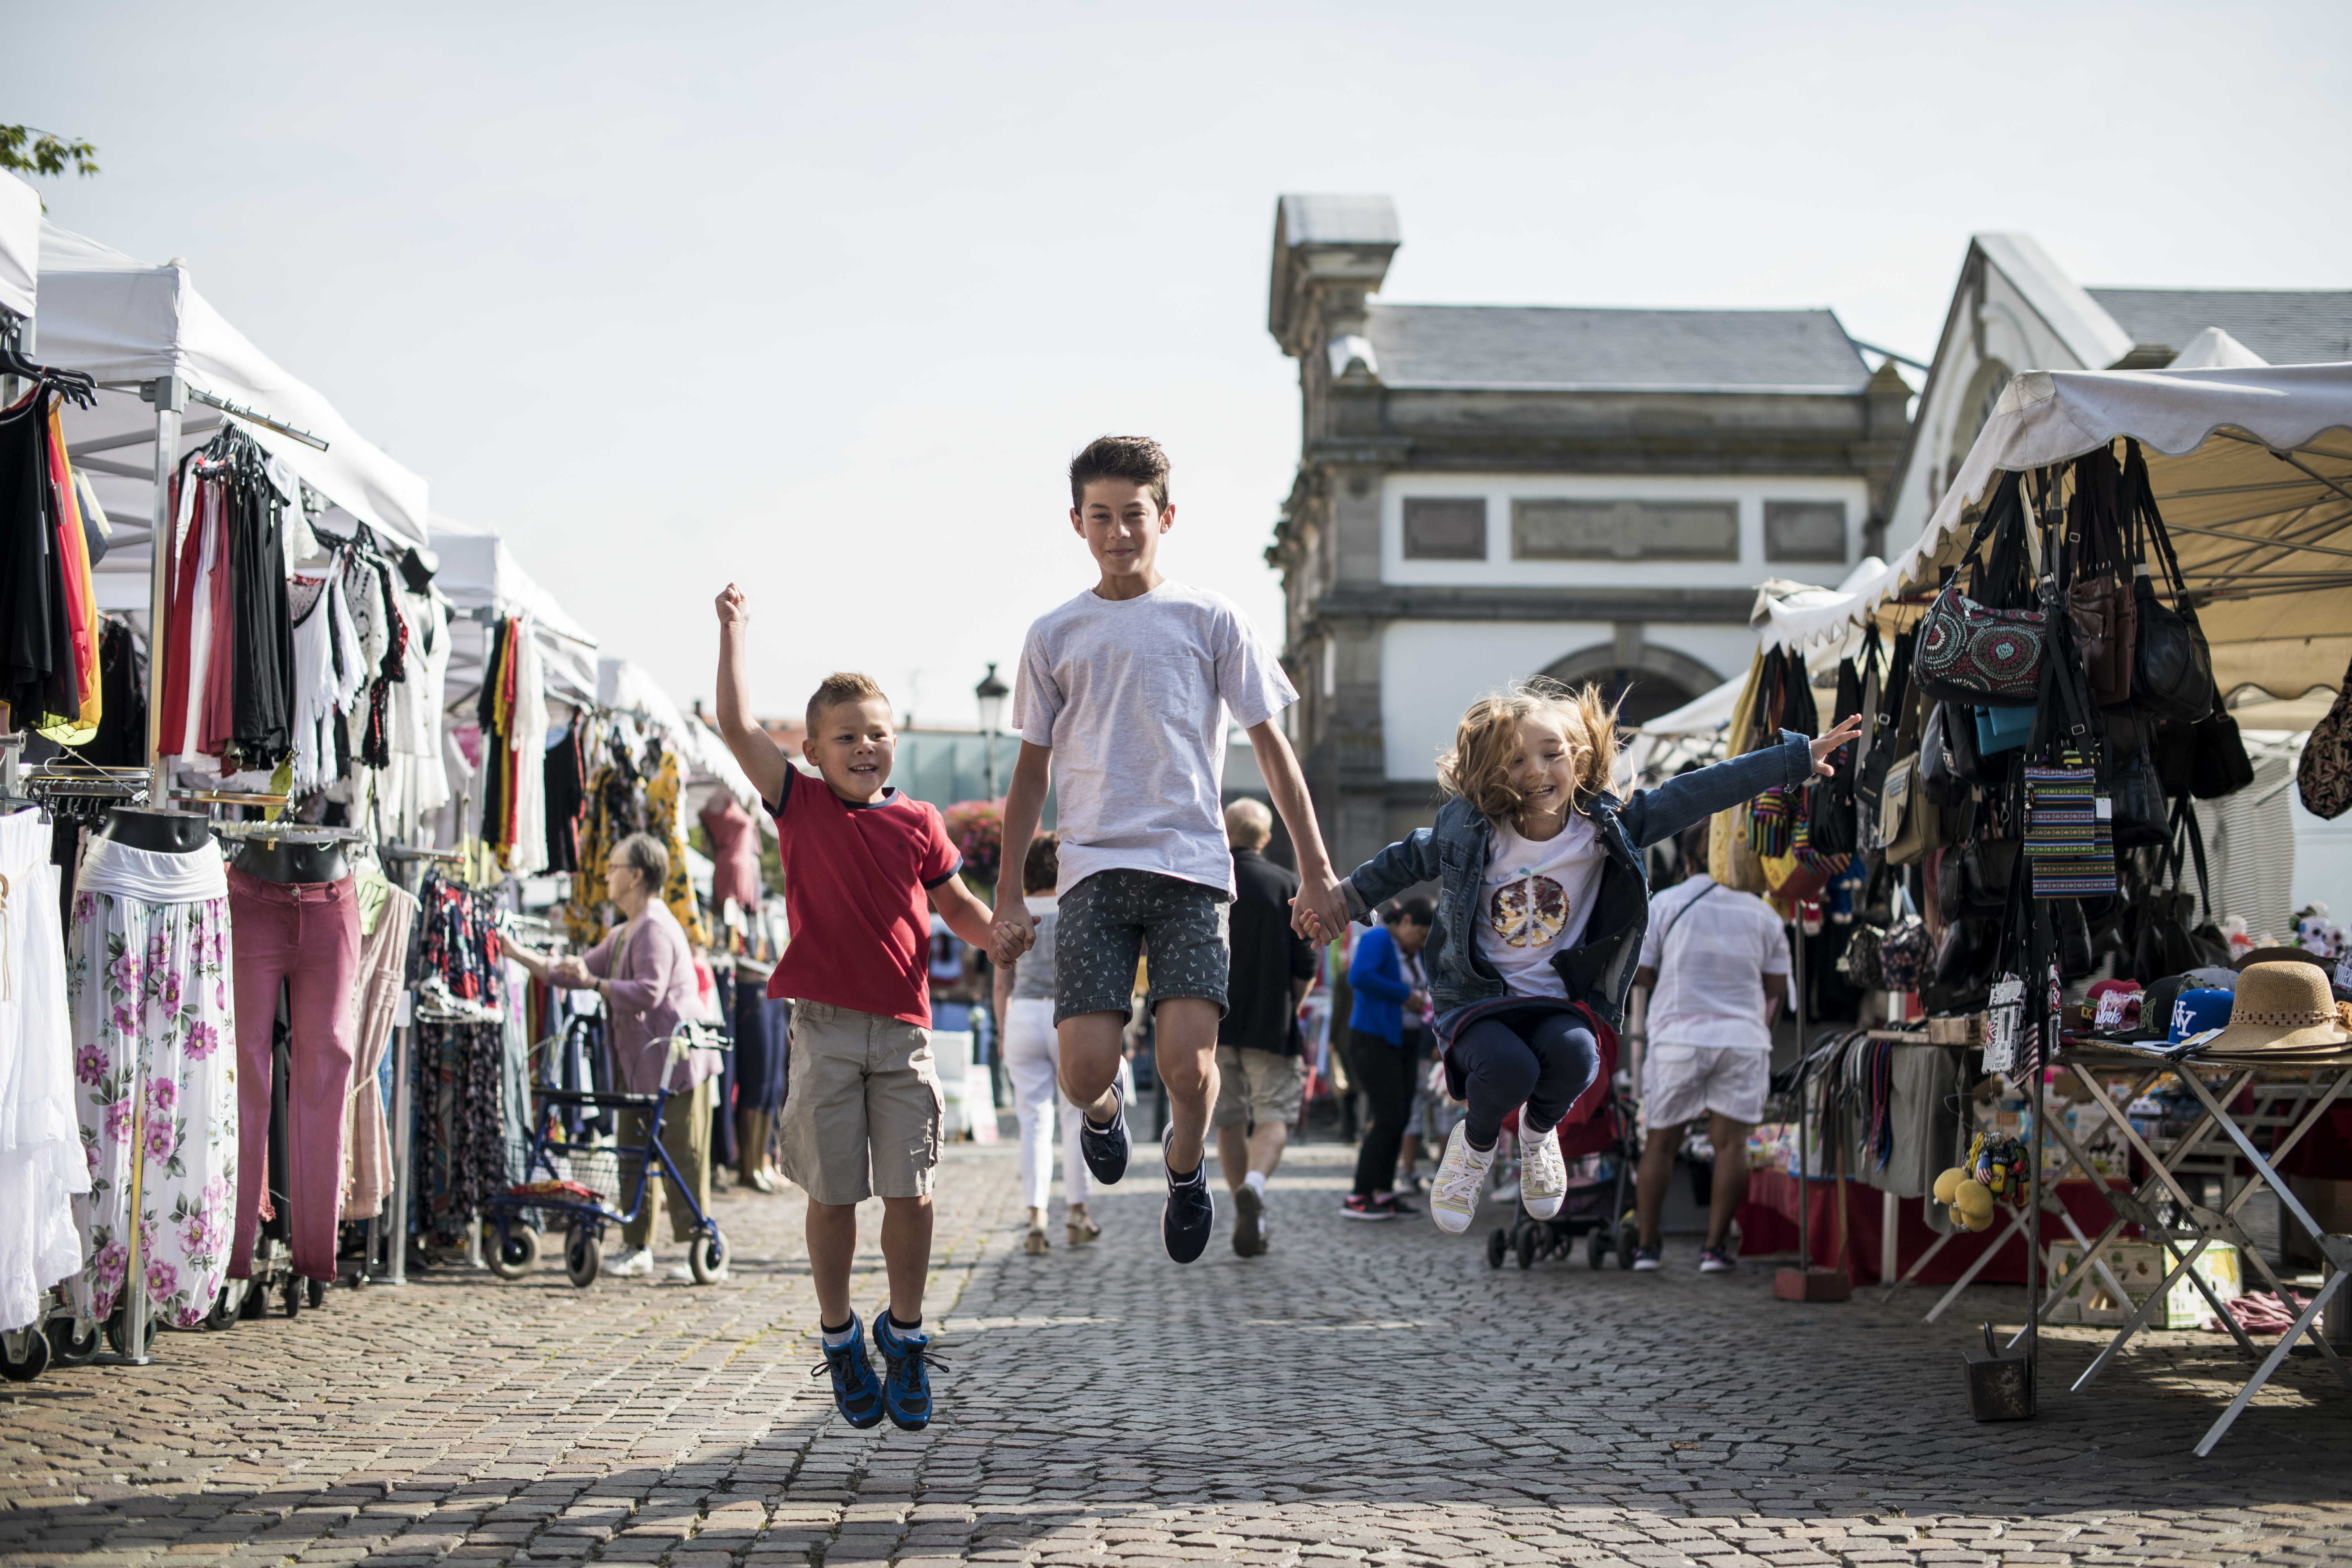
2219 766
2172 668
1832 803
1939 773
2138 797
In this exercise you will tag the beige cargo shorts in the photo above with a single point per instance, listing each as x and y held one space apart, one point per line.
864 1113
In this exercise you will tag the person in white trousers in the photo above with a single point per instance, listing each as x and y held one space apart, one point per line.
1024 1014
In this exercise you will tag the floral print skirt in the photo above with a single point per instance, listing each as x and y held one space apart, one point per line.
154 1033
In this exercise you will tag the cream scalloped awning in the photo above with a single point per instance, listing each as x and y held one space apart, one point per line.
2253 471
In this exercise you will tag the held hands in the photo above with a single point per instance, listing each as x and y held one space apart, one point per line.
1850 730
1319 912
734 606
1012 932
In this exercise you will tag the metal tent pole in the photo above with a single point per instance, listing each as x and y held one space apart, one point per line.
170 396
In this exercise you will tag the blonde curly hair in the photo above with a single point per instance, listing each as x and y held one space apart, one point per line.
1477 768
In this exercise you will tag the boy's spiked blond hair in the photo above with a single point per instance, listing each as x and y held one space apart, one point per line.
1477 769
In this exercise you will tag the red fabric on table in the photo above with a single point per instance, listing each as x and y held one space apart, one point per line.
1767 1223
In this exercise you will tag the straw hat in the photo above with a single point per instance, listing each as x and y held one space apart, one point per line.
2282 1006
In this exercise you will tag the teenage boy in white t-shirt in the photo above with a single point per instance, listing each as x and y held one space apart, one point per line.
1127 690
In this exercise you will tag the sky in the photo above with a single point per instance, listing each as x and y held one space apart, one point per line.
821 300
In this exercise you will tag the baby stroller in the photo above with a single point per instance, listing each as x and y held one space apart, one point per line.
1597 1140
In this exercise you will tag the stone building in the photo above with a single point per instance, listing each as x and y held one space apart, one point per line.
1487 492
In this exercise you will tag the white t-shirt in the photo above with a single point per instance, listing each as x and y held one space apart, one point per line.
1134 696
1535 901
1711 982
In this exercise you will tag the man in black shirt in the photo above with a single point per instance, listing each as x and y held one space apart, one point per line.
1259 1046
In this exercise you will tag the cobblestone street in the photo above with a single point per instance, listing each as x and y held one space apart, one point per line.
1364 1393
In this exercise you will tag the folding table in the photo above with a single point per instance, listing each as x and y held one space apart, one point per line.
2310 1079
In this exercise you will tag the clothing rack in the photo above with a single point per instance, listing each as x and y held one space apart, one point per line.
252 417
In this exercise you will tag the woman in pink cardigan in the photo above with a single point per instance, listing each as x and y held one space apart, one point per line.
644 972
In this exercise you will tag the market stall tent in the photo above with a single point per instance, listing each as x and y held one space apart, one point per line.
479 574
2252 467
127 323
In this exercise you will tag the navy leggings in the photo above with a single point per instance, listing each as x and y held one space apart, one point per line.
1541 1060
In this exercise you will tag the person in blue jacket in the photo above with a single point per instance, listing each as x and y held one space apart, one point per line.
1376 1058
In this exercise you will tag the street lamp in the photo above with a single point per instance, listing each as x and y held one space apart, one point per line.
992 693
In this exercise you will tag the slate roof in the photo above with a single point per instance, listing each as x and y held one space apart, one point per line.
1574 349
2285 326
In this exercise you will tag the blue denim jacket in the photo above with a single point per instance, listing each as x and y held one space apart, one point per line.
1599 969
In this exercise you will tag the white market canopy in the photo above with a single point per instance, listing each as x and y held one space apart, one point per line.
2252 467
479 573
127 323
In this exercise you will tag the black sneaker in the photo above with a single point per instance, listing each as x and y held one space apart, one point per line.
1190 1213
1105 1147
906 1388
856 1392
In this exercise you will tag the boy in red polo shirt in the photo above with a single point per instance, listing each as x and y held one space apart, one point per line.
864 868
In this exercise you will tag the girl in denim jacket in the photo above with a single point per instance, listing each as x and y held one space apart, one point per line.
1542 901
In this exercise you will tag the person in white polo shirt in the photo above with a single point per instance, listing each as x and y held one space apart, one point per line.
1716 963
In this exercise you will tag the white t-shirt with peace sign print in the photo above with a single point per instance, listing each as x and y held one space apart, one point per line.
1534 902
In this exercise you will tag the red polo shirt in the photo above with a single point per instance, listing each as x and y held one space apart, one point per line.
856 884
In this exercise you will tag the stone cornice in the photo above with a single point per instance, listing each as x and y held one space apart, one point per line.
1400 602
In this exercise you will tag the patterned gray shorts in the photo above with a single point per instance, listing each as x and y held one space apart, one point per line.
1111 918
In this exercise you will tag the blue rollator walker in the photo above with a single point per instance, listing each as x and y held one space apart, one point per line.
605 1170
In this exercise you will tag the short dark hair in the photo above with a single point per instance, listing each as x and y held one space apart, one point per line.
1136 458
1691 848
644 854
842 686
1420 910
1040 869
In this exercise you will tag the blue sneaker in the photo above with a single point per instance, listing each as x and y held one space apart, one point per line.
1190 1213
856 1392
1105 1147
906 1385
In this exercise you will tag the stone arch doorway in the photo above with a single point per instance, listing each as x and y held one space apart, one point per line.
1658 681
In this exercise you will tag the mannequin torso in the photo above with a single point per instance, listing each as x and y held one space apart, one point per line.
285 861
158 831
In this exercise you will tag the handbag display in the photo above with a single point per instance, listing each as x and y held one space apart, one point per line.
2172 669
2099 597
1971 650
2323 777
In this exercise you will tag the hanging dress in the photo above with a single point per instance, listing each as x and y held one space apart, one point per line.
154 1035
42 1168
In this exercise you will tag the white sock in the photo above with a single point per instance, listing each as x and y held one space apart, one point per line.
1256 1182
836 1338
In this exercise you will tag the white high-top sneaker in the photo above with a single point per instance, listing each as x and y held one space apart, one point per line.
1543 1174
1453 1196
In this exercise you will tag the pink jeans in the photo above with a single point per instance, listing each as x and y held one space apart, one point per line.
308 935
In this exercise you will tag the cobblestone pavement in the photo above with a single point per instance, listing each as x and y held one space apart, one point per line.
1363 1394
